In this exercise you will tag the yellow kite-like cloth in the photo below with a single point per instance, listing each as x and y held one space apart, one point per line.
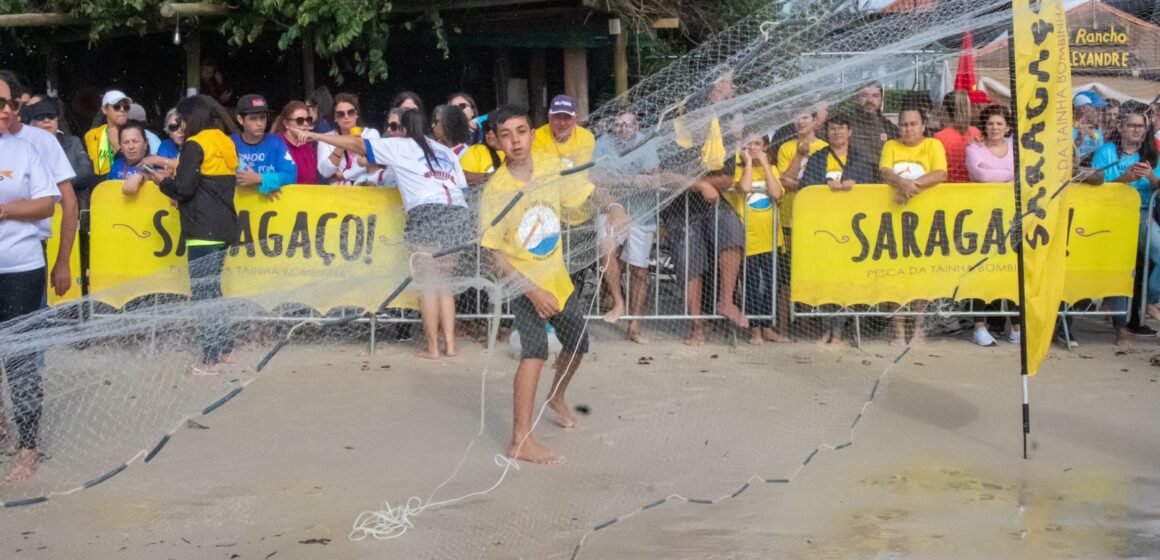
1043 110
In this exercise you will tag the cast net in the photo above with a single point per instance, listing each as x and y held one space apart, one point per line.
136 453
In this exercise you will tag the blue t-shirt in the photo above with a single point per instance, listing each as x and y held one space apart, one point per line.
120 171
168 149
1114 164
270 158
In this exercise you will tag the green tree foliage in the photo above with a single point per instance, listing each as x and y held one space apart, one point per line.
350 34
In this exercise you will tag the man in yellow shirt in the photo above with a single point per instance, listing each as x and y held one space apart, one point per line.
562 137
524 207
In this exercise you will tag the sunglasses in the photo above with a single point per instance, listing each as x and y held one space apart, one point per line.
302 121
394 126
173 126
122 107
13 104
43 116
464 106
344 114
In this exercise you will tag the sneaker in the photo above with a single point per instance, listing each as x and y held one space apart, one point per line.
1067 343
1141 330
983 337
1015 337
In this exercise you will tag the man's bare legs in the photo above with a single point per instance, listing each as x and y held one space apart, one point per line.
899 322
608 251
566 365
637 297
693 307
25 467
730 265
523 446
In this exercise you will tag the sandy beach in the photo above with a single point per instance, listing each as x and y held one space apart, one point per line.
688 452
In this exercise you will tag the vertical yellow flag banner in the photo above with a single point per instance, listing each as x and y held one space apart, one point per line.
1042 75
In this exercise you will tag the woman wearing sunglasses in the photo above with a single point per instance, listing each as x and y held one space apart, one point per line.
338 166
103 142
467 103
171 146
27 196
296 116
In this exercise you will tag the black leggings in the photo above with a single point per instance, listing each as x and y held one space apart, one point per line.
215 331
21 294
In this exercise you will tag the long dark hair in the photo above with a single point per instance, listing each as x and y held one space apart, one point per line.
1147 150
323 102
198 115
456 130
405 95
414 127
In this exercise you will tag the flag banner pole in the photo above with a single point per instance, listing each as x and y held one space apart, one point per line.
1040 75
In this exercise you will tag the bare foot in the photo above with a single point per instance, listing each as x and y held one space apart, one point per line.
825 340
637 336
227 358
532 452
755 338
918 339
1123 338
1154 311
696 337
451 352
428 354
614 314
204 369
734 314
26 464
774 336
564 416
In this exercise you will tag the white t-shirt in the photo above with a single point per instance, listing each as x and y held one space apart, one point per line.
53 157
352 172
441 183
22 177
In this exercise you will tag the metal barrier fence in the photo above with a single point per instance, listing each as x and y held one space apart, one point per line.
668 295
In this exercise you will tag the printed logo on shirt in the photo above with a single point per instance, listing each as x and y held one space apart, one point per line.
6 175
539 231
759 202
834 175
909 170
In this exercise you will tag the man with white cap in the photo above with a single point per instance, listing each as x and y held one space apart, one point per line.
103 142
562 137
137 113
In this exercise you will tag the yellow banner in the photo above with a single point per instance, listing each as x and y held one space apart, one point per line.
860 247
1042 75
74 290
318 246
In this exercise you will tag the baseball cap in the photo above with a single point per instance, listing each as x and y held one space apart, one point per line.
562 105
115 96
1094 98
252 104
137 113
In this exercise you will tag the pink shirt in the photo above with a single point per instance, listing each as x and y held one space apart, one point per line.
984 167
956 148
306 159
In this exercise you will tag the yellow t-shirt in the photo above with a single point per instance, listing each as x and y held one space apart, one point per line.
784 156
477 159
912 162
756 212
576 151
529 235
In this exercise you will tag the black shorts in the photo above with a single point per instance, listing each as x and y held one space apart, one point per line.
437 226
571 328
695 244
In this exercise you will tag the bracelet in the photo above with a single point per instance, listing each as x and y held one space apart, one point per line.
609 207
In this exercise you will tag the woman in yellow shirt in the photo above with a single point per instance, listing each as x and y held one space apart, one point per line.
912 164
756 187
